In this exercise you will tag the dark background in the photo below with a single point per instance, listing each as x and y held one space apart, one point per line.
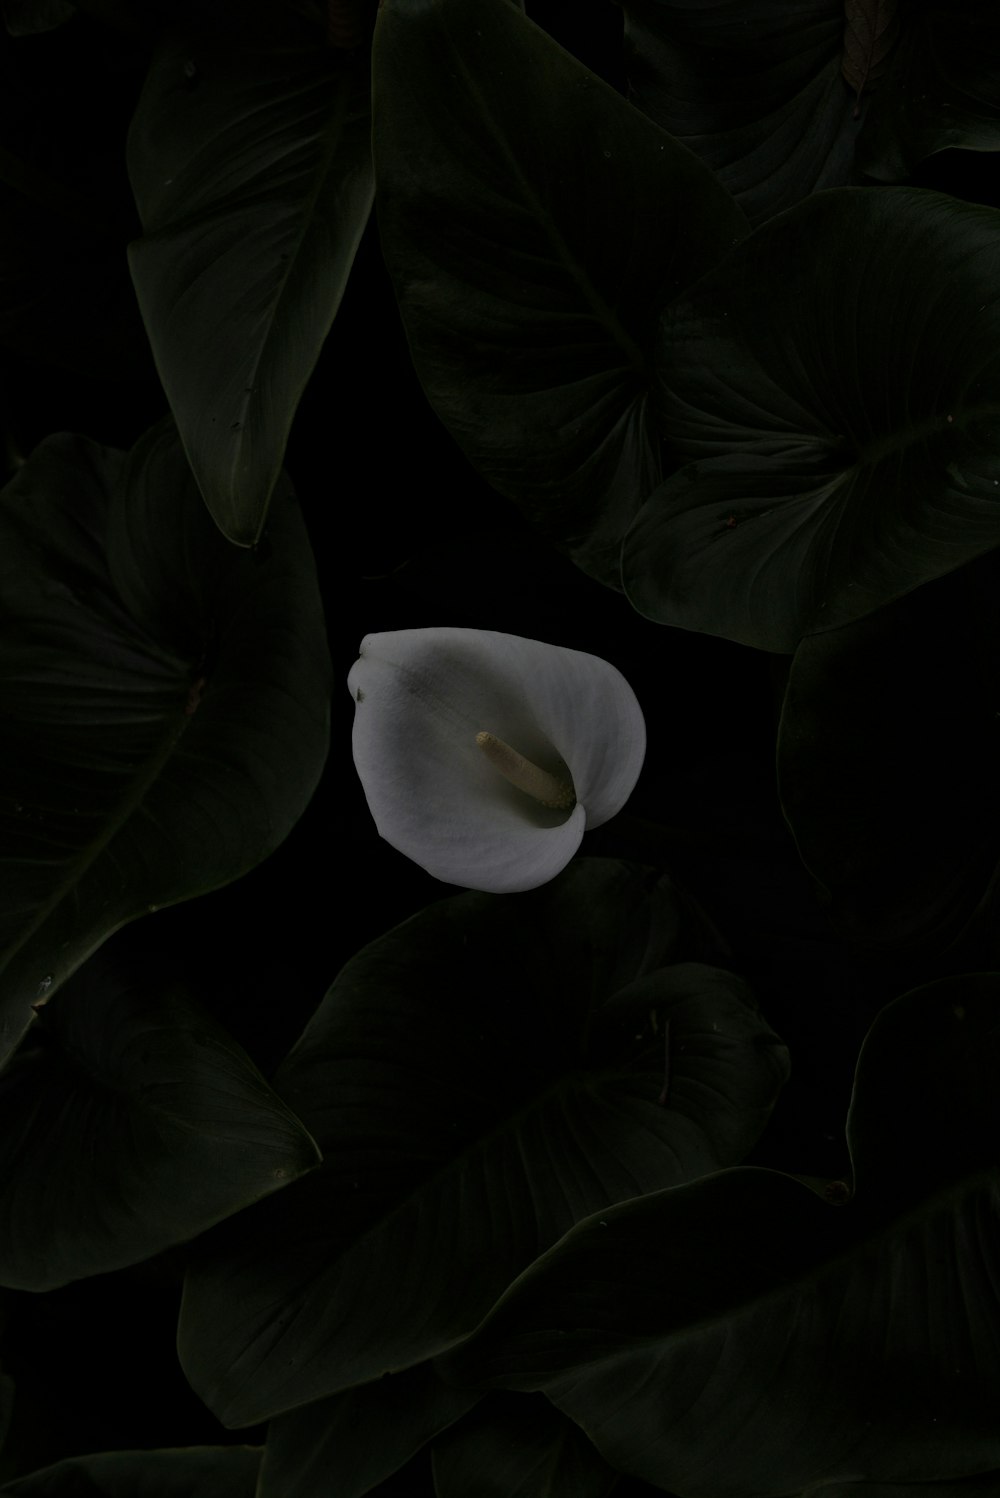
406 534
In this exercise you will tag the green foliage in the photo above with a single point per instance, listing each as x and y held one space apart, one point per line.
353 1440
920 76
690 367
832 393
252 175
530 306
197 1472
164 713
135 1124
23 17
681 1329
482 1042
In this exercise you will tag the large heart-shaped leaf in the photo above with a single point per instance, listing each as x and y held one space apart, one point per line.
165 708
784 100
184 1472
478 1080
350 1442
754 87
834 391
252 174
740 1337
136 1124
887 757
533 222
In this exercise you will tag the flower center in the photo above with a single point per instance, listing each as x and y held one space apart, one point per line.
554 791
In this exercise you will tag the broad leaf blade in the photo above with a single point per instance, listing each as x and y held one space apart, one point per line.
941 89
28 17
138 1123
518 1446
352 1441
869 35
533 222
184 1472
478 1080
740 1338
753 86
165 702
834 392
782 101
252 174
984 1485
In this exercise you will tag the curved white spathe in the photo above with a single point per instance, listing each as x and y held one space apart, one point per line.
422 695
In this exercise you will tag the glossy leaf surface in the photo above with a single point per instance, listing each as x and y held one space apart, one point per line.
350 1442
753 86
783 101
164 717
834 394
533 222
478 1080
740 1337
252 174
136 1124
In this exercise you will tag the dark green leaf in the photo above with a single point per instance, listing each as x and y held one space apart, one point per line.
985 1485
350 1442
777 98
887 756
26 17
941 89
754 86
741 1338
136 1125
869 35
185 1472
252 174
518 1446
834 391
478 1080
165 706
533 223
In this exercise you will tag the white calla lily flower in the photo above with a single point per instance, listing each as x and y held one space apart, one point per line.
485 756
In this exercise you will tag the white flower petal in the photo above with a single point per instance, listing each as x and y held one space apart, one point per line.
422 695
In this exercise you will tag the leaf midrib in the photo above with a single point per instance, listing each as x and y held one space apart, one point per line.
603 314
952 422
177 724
